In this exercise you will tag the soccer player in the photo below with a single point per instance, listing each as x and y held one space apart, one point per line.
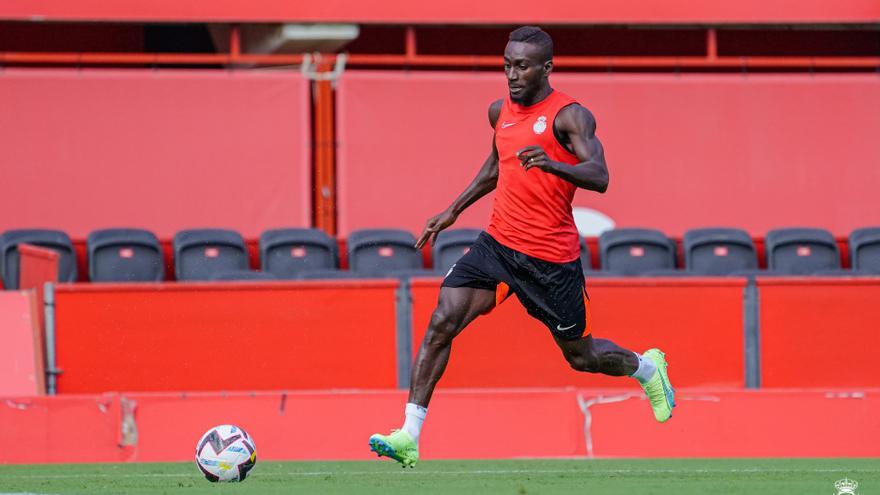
544 148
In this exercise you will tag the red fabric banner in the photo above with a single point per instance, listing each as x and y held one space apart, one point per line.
163 150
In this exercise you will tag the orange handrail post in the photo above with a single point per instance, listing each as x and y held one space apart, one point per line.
324 192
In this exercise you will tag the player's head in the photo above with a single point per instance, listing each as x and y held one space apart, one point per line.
528 60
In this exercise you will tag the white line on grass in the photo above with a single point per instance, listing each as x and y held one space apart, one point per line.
416 472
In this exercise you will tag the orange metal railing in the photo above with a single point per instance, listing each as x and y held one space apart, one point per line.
710 61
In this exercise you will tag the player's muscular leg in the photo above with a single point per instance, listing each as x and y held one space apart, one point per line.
457 307
598 356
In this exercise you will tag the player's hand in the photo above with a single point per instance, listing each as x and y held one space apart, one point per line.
433 227
535 156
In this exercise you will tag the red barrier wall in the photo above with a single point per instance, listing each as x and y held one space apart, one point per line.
829 326
710 423
684 151
594 423
232 336
157 149
452 11
697 322
21 356
38 266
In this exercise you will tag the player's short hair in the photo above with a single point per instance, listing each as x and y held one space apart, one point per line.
534 36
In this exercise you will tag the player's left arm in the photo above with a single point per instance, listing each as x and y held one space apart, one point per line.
578 125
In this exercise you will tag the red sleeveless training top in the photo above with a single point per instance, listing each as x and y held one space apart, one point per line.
532 210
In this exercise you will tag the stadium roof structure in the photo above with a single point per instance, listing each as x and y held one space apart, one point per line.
559 12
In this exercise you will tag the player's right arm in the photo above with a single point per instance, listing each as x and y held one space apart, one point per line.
483 184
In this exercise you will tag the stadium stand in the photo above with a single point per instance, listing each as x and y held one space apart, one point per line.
801 251
718 251
286 253
124 255
864 249
377 252
200 254
223 132
450 246
635 251
53 239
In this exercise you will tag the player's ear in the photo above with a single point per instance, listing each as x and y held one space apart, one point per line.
548 67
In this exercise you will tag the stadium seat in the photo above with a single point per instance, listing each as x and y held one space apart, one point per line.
668 272
199 254
801 251
718 251
287 252
864 249
416 273
124 255
450 246
586 258
756 272
842 272
636 251
378 252
326 274
52 239
233 275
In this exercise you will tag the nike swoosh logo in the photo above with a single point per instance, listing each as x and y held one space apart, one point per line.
562 329
505 125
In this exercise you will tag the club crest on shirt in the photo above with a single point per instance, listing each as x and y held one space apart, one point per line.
540 125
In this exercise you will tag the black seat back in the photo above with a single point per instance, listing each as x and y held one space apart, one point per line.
242 275
719 251
376 252
286 253
52 239
125 255
200 254
864 249
801 251
634 251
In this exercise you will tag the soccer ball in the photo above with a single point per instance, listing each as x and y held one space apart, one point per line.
226 453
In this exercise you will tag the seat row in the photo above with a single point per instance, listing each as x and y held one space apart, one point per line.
136 255
128 255
726 251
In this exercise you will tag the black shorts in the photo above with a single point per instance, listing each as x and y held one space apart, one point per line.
554 293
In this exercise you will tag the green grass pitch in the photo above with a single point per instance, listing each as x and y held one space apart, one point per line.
517 477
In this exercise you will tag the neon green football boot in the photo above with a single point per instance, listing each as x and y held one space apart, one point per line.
658 389
399 445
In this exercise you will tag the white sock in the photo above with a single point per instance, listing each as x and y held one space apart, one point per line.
415 416
646 370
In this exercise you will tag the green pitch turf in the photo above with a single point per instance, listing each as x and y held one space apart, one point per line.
569 477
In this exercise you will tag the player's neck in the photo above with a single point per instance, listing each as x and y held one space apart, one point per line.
539 96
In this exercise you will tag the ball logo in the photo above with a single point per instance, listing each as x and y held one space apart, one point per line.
540 125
